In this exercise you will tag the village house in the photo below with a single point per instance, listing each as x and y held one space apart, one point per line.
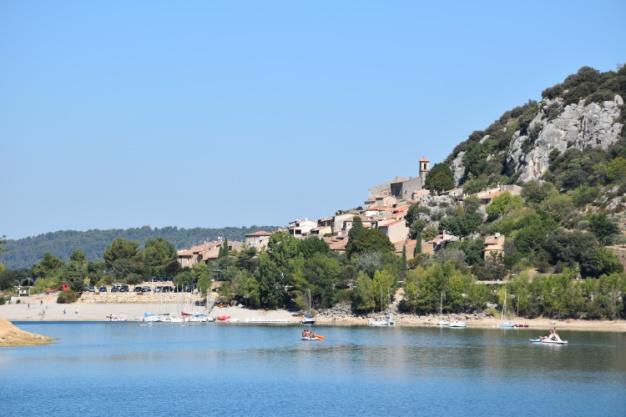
324 227
338 226
301 228
486 196
395 229
407 246
494 247
337 243
204 252
437 243
380 201
258 240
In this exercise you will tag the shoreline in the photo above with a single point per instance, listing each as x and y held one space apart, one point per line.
97 312
43 308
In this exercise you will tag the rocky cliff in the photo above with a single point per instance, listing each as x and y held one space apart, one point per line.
585 111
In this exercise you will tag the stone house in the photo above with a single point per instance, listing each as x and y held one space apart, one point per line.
204 252
494 247
258 240
395 229
437 243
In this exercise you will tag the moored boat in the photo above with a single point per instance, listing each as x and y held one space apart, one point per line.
150 318
388 321
545 341
458 324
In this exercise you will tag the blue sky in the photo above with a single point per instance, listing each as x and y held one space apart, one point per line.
221 113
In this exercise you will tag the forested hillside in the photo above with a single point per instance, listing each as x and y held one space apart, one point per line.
23 253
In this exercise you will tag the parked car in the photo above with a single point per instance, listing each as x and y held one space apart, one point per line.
124 288
89 288
158 289
115 288
146 289
102 289
138 290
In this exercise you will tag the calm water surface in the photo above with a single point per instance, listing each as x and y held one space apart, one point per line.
124 369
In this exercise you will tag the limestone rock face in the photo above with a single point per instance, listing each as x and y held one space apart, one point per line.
457 167
577 125
555 126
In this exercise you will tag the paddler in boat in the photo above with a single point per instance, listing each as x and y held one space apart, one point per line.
552 336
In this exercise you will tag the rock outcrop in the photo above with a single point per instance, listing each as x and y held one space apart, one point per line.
577 125
585 111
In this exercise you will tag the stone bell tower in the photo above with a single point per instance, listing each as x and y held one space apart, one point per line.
423 166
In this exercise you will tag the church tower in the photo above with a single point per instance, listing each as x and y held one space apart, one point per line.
423 166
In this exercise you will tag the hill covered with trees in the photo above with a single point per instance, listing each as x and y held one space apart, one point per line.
23 253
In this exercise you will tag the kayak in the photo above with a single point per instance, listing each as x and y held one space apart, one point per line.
317 338
548 342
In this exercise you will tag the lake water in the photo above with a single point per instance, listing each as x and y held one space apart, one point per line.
125 369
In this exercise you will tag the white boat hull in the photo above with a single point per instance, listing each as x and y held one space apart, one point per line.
548 342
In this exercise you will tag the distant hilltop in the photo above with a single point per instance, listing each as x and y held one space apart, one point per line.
23 253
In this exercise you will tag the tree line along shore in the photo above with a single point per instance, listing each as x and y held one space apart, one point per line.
296 274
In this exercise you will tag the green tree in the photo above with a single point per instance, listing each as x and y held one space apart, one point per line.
383 288
603 228
320 275
269 277
183 279
535 192
558 208
440 178
362 296
361 240
312 245
76 270
414 222
224 250
202 277
281 249
49 266
429 233
464 220
123 257
158 256
503 204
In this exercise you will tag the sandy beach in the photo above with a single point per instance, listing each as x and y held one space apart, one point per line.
45 308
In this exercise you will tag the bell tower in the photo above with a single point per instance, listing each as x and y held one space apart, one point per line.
423 166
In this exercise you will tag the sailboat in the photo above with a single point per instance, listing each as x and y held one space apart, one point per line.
505 324
308 319
388 321
442 322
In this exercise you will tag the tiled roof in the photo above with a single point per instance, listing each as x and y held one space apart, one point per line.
259 233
